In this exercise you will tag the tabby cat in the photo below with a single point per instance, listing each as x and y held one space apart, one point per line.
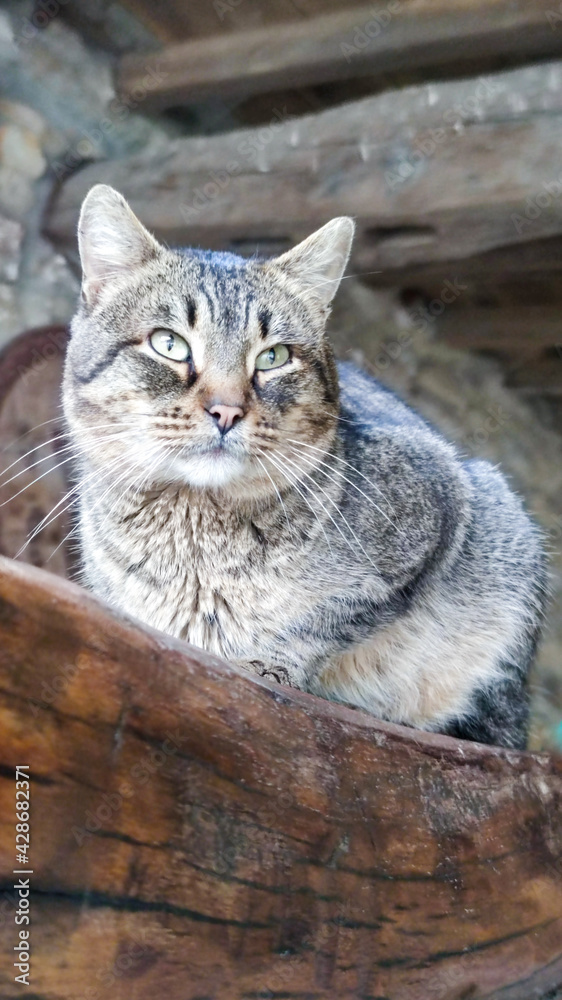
241 491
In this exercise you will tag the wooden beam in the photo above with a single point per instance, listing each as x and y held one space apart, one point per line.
540 377
433 174
177 20
199 832
505 329
350 42
535 263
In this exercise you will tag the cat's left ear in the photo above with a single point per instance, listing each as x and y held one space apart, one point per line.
318 263
111 240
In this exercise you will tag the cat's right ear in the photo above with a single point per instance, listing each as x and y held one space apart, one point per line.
111 240
318 263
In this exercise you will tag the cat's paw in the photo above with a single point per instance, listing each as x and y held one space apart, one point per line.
271 672
279 674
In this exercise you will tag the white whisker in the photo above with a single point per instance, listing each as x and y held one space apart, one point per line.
67 448
100 500
345 478
281 501
343 461
345 420
48 519
53 420
330 281
343 517
77 498
301 494
36 480
58 437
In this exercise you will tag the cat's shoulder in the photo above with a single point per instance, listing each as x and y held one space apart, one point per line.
384 436
371 409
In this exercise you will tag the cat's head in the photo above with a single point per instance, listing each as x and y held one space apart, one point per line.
197 368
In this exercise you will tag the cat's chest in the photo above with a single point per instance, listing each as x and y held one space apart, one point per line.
215 581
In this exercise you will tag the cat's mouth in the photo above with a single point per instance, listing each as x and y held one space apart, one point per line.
210 466
217 450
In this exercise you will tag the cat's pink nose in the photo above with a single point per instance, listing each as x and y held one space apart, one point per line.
226 416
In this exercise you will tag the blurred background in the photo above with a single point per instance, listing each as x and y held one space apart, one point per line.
245 124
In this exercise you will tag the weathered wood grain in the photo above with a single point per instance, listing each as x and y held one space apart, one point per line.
506 328
341 44
175 19
200 833
539 376
433 174
521 265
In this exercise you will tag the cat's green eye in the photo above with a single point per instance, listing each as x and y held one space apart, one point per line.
170 345
274 357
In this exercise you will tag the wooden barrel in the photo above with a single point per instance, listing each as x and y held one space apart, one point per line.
32 480
200 834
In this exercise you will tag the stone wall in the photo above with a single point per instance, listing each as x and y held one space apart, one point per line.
58 110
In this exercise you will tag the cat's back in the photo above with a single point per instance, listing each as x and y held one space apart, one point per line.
420 473
373 413
506 545
374 409
387 439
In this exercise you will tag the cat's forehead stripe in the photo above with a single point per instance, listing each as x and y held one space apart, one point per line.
264 320
191 310
210 302
229 301
106 361
247 312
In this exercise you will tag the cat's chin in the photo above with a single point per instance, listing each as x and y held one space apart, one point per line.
209 470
